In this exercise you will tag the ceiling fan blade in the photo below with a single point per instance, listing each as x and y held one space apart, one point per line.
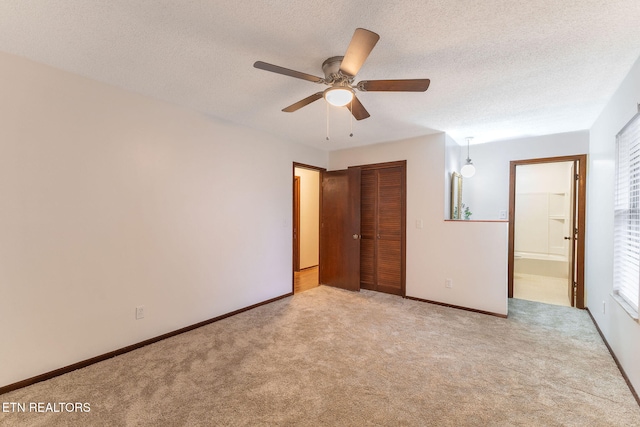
298 105
287 72
360 47
357 109
414 85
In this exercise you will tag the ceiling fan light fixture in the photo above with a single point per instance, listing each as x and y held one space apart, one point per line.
338 96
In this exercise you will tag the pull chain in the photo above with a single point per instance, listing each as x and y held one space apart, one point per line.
351 121
327 104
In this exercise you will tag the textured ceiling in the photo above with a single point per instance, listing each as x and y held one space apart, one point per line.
498 69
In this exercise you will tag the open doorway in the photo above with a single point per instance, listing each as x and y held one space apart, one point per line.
546 230
306 226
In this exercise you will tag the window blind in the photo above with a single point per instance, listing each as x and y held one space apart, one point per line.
626 248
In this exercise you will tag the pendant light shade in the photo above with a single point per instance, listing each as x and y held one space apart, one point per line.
468 170
338 96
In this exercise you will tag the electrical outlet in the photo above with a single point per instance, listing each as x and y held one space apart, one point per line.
502 214
448 283
419 223
140 312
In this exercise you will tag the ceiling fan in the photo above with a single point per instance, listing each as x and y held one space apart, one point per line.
339 75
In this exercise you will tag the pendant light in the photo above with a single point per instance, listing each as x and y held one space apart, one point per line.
468 170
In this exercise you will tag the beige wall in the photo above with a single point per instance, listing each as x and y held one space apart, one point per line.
472 254
110 200
309 216
621 331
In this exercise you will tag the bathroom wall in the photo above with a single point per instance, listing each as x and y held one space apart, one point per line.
542 220
543 210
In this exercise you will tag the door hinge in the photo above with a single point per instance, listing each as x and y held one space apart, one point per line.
577 177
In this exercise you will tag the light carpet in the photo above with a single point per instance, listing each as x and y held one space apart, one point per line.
336 358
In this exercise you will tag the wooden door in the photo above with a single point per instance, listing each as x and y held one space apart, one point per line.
368 213
383 229
340 229
389 236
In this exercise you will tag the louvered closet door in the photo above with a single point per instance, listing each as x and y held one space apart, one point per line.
382 230
368 209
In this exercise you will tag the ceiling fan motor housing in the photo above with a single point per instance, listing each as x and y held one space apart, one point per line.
332 73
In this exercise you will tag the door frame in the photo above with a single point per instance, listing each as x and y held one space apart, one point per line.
581 161
296 223
293 210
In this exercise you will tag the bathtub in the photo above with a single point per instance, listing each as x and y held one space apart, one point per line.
541 264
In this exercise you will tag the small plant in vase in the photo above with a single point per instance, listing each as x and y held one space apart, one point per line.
466 212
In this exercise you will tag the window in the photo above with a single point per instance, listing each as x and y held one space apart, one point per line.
626 247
